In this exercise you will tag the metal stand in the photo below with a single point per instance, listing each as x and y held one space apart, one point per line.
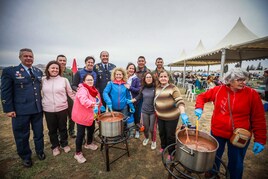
111 142
177 170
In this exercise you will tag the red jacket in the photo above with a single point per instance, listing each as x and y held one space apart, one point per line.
247 110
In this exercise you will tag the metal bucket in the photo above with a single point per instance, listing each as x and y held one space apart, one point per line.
195 158
111 126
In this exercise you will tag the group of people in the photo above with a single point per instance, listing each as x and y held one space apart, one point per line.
150 96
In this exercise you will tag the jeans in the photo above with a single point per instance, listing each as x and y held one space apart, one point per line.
235 157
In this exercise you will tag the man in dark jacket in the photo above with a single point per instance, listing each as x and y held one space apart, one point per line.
21 100
103 71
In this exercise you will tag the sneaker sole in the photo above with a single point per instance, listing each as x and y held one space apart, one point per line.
78 161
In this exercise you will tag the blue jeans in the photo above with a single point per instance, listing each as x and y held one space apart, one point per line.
235 157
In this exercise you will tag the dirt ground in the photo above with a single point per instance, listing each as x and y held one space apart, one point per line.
142 162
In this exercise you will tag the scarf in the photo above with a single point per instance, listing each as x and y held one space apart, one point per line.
119 82
91 89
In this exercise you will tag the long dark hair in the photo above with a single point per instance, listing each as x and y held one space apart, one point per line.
144 84
48 65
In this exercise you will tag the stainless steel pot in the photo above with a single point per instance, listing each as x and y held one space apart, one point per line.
199 161
109 127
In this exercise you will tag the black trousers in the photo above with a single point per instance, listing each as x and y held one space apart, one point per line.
56 123
70 121
167 131
81 134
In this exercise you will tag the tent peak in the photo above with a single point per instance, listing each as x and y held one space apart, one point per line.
237 35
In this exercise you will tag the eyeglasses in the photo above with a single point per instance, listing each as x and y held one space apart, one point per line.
240 80
89 80
148 77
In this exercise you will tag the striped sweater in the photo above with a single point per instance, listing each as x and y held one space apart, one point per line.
167 103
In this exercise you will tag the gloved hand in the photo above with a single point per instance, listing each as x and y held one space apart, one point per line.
257 148
198 112
96 110
129 101
110 107
102 109
184 118
132 109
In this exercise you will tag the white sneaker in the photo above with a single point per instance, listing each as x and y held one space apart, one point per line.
80 158
56 151
66 149
153 145
137 135
145 141
91 146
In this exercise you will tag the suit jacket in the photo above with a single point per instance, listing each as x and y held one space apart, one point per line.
19 92
103 76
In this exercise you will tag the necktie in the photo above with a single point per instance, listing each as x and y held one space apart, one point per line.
106 67
31 74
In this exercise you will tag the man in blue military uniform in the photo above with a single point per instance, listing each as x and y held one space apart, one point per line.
21 100
103 71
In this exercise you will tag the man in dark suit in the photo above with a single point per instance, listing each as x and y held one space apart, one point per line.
103 71
21 100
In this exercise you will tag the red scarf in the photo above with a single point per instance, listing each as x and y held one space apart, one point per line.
91 89
119 82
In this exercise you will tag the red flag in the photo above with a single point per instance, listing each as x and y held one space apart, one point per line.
74 67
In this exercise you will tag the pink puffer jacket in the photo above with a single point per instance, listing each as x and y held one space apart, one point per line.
84 103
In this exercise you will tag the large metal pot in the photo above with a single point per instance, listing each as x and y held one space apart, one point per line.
192 157
111 126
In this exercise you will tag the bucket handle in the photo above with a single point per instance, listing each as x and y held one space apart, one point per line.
186 151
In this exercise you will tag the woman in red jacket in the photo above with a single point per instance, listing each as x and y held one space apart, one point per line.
235 106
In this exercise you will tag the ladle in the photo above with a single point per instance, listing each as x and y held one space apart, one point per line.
187 135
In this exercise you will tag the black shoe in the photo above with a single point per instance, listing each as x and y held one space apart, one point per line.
41 156
27 163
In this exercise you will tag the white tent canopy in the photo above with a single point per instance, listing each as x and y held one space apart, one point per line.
239 44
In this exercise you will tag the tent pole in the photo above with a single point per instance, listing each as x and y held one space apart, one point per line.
184 73
223 53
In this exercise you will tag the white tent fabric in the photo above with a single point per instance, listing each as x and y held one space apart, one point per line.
239 34
238 45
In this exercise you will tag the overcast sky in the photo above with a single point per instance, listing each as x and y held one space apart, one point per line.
125 28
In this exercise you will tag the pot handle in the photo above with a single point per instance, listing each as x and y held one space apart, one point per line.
186 151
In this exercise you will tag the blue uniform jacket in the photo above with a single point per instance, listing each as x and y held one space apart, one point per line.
19 92
116 95
103 76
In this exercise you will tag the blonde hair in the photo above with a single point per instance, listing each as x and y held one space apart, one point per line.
123 72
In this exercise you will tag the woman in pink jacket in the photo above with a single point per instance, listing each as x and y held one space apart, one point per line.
86 106
55 89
